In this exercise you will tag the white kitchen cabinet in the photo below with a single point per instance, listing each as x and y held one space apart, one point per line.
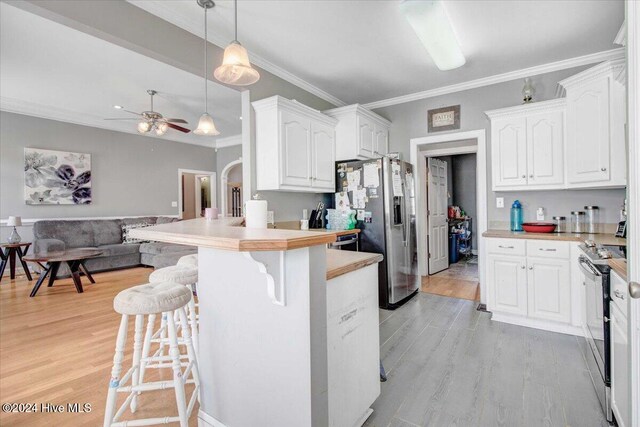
360 133
527 146
295 147
619 354
549 289
596 114
508 278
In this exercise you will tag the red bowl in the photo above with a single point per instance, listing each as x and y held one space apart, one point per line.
539 227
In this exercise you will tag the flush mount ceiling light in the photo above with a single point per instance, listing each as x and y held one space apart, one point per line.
236 69
206 126
431 23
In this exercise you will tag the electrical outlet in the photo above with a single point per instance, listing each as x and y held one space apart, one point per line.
499 202
174 204
270 217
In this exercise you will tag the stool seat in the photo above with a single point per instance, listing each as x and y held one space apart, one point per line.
185 275
189 260
152 298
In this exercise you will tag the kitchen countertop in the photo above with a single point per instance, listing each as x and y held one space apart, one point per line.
600 239
213 234
343 262
295 225
619 266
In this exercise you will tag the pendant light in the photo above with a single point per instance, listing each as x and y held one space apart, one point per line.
206 127
236 69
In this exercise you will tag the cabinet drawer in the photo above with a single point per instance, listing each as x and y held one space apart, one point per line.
548 249
506 246
619 293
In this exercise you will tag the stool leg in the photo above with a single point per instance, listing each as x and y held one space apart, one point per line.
114 383
137 348
174 351
163 333
191 352
146 347
194 323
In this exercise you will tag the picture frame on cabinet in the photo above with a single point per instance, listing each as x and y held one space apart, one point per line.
442 119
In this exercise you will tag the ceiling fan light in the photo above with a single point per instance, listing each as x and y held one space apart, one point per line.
206 126
144 127
161 129
236 69
433 27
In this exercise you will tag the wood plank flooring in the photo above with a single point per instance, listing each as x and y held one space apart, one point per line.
450 365
460 280
447 363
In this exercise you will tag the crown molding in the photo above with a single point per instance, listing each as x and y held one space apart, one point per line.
163 11
621 37
50 112
525 109
615 68
564 64
229 141
357 109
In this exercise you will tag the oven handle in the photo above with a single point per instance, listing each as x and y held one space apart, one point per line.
587 269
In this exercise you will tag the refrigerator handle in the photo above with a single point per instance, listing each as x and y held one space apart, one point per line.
405 222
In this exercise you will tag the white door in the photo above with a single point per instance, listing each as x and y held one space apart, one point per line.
437 217
509 152
295 150
507 275
323 157
588 142
381 140
549 289
365 136
545 145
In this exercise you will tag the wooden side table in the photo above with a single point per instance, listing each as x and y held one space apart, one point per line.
8 252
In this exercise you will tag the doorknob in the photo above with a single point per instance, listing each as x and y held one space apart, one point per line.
634 290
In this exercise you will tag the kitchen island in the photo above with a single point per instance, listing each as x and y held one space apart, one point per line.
280 345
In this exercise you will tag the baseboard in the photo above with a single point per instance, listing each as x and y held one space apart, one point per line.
545 325
206 420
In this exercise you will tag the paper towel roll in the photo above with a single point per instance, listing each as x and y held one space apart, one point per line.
256 214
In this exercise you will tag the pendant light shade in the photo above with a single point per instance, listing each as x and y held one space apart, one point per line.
206 126
236 69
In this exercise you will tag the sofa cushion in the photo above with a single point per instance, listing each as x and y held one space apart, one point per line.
166 220
156 248
126 228
106 232
119 249
75 234
143 219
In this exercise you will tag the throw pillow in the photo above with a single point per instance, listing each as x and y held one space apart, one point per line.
128 227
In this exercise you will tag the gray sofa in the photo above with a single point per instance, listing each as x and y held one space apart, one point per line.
106 235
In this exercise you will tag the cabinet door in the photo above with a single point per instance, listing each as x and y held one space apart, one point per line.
588 142
507 281
381 140
545 147
619 367
509 152
366 134
295 149
549 289
323 157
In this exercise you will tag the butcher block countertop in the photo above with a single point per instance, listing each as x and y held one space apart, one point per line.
619 266
343 262
600 239
214 234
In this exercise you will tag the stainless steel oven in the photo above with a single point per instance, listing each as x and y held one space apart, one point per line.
596 325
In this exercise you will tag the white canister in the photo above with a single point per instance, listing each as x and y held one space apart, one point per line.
256 213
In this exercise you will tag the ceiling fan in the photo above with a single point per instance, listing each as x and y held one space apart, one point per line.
152 121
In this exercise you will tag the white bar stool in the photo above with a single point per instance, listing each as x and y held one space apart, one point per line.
168 299
185 275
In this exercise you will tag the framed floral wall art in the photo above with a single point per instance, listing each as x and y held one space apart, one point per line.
56 177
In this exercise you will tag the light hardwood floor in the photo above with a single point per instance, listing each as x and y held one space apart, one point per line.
58 348
460 280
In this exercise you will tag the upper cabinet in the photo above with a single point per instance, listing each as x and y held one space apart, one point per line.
572 142
360 133
596 116
295 147
527 146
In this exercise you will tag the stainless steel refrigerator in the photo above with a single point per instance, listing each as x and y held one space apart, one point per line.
382 192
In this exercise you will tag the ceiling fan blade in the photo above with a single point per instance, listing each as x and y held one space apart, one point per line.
177 121
180 128
128 118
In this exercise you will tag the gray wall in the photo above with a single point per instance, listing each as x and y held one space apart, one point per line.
409 121
131 174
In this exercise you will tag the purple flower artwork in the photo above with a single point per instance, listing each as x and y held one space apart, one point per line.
56 177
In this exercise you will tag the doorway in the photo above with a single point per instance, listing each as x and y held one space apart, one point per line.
451 208
196 192
231 194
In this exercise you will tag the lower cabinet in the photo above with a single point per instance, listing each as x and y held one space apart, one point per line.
508 277
549 290
620 374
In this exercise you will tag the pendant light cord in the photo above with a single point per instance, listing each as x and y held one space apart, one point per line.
205 61
235 4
